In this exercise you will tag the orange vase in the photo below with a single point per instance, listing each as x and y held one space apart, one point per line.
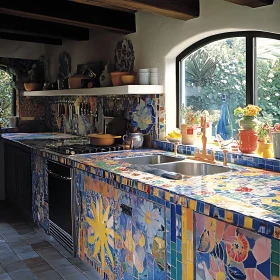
248 141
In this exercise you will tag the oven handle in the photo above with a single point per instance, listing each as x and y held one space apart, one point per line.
58 176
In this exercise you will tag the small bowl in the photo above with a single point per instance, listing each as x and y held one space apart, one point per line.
173 140
116 78
127 79
32 86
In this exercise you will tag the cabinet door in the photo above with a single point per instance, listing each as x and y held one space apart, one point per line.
96 227
23 180
10 172
224 251
141 248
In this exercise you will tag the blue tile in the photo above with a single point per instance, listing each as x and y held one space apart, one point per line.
179 245
173 223
256 224
241 220
179 271
167 204
221 214
179 209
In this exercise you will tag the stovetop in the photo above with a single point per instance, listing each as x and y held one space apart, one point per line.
83 149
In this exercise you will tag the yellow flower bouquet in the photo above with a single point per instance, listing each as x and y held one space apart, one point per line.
248 111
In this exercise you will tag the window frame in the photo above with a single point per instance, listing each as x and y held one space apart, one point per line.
251 58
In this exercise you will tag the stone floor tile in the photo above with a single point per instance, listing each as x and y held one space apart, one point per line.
23 249
34 261
5 276
15 266
46 251
4 245
50 275
21 273
67 271
18 243
40 268
35 240
78 276
83 266
60 263
28 255
2 269
41 245
65 253
25 230
30 235
52 257
92 274
9 260
33 277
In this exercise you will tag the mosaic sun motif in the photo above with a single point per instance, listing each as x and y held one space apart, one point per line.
103 232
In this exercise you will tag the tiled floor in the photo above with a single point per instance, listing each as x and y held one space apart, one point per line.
26 253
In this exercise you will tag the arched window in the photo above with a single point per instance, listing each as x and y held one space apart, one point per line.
243 65
7 97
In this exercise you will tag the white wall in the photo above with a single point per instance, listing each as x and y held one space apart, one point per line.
24 50
159 39
101 46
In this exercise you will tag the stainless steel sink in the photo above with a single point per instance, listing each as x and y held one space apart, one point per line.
153 159
189 168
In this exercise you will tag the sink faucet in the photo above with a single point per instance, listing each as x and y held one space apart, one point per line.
176 144
203 156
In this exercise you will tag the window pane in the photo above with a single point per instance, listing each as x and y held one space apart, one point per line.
215 69
268 77
5 98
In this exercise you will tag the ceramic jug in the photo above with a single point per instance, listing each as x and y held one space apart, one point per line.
135 140
105 78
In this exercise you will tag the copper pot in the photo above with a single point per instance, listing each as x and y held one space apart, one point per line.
99 139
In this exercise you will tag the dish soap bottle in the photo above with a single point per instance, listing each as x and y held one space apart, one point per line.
224 127
105 78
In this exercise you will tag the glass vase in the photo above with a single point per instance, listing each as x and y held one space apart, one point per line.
248 122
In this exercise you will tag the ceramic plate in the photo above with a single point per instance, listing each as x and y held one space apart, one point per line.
124 56
143 117
173 140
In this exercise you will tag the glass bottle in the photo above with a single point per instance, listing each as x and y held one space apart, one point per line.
224 127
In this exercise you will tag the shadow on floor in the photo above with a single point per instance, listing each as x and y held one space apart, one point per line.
27 253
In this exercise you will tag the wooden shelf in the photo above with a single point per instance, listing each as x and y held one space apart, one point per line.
120 90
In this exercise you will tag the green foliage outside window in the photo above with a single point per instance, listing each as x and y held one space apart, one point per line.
5 98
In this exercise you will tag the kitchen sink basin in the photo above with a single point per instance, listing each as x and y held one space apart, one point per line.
153 159
189 168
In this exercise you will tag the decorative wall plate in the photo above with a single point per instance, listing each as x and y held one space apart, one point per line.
124 56
143 117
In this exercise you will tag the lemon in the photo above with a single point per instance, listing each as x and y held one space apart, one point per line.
177 133
172 134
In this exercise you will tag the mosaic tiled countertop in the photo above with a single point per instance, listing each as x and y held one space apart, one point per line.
34 136
248 197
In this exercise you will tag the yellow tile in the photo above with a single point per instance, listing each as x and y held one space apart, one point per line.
190 271
167 196
139 186
190 251
184 272
184 253
228 216
275 278
155 192
190 219
184 224
193 204
276 233
248 222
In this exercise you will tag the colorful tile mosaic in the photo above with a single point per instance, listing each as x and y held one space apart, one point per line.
40 201
224 251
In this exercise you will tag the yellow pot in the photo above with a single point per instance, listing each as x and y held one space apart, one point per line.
264 149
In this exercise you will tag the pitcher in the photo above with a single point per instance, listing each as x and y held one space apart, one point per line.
135 140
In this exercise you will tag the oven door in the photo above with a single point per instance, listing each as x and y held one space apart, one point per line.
60 203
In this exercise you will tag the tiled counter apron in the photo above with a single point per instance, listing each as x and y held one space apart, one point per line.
228 208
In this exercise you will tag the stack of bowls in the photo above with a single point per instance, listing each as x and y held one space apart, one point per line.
144 76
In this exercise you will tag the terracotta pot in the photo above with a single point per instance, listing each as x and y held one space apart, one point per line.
248 141
116 77
102 139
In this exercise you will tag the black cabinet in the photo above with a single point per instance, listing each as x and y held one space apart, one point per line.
18 178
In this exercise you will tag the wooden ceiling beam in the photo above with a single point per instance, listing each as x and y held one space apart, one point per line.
28 38
183 10
252 3
72 14
24 26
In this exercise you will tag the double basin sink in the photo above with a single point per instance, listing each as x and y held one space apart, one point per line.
185 167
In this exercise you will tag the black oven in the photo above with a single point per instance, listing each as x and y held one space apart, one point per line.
61 206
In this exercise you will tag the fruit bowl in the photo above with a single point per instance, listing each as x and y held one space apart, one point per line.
173 140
